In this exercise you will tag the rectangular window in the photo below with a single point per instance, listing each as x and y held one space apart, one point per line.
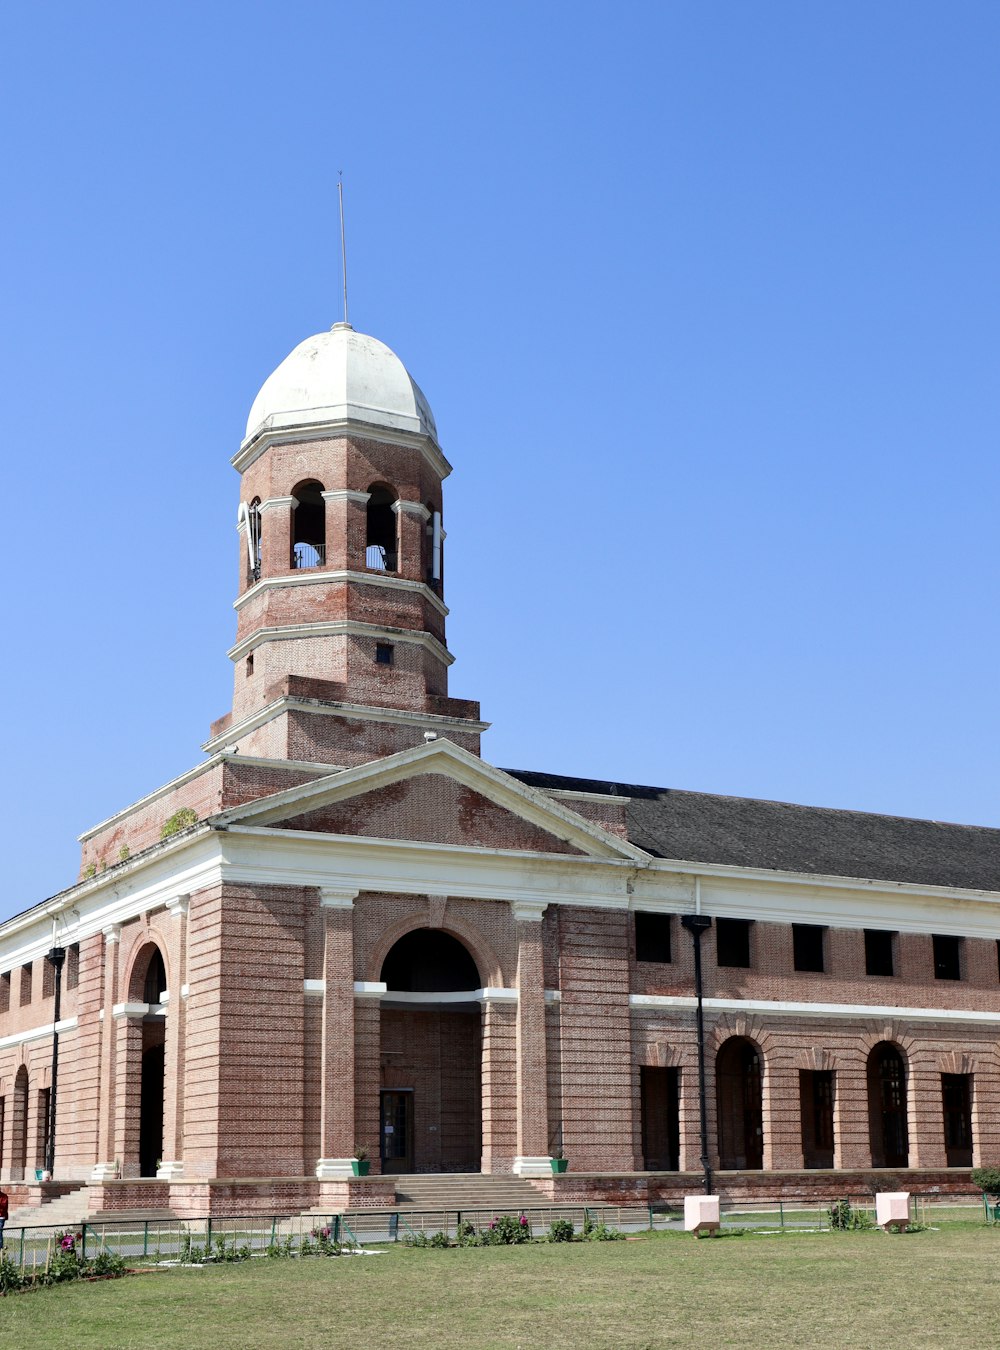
42 1130
807 942
652 937
73 966
732 943
816 1114
5 991
956 1097
25 990
947 957
383 653
878 951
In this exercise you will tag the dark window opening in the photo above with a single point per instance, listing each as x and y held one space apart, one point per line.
947 957
48 979
659 1094
738 1086
998 958
249 666
732 942
878 952
429 961
652 937
890 1141
5 992
155 984
42 1126
816 1108
25 991
72 966
956 1096
807 941
309 527
383 654
380 540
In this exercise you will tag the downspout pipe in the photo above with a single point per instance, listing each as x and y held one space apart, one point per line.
57 955
696 924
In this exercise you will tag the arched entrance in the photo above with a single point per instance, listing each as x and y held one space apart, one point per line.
890 1138
431 1084
149 980
19 1126
740 1105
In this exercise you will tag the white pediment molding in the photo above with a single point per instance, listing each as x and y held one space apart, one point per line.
439 757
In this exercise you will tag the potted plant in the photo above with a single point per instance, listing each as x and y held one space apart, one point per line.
360 1163
559 1161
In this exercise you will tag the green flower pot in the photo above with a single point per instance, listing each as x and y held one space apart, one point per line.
559 1166
360 1166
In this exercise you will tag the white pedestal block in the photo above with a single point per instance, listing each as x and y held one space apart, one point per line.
701 1213
105 1171
533 1167
334 1169
170 1171
892 1207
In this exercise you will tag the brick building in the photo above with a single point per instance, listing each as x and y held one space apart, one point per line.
344 927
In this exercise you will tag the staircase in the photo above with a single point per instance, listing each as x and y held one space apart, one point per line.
69 1211
503 1194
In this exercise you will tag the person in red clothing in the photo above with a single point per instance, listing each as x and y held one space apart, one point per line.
4 1211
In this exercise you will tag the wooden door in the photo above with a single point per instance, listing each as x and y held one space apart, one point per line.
396 1131
660 1119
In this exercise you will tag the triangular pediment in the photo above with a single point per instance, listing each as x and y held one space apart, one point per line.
435 793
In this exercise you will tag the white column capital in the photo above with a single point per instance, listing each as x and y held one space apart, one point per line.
273 503
334 899
412 509
528 911
346 495
178 905
112 933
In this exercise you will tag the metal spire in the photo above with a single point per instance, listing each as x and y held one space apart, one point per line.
343 239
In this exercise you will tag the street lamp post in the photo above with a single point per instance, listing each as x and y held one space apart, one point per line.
696 924
57 955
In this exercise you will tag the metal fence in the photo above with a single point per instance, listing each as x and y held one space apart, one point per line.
158 1241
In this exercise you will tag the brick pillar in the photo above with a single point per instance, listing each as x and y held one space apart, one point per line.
105 1166
276 536
368 1075
782 1116
533 1157
345 538
7 1132
172 1164
337 1036
499 1085
925 1112
985 1112
851 1133
412 518
127 1022
689 1113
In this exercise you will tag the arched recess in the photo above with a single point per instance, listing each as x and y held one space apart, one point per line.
19 1125
147 984
309 526
382 531
890 1141
430 1117
740 1103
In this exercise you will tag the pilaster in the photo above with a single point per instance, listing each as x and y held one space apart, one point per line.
106 1165
337 1037
172 1165
533 1157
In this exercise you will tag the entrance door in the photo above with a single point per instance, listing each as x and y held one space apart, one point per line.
396 1130
816 1110
660 1119
957 1096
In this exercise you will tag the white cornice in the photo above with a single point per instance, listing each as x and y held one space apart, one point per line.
313 577
378 989
351 711
274 503
342 628
778 1008
255 445
346 495
38 1033
469 770
411 509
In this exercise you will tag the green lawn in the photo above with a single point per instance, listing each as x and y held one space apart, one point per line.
860 1289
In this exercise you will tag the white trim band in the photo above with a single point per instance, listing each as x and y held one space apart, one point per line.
853 1011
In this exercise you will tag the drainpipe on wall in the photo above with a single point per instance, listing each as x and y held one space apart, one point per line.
696 924
57 955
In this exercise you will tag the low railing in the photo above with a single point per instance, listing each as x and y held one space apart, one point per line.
308 555
380 559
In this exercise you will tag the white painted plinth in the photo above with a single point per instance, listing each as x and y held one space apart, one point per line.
533 1167
170 1171
106 1171
334 1169
892 1207
701 1213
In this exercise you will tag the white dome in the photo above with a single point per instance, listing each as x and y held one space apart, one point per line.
338 376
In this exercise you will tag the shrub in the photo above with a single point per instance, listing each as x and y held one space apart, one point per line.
108 1263
466 1235
987 1179
506 1230
845 1218
180 820
600 1232
11 1278
561 1230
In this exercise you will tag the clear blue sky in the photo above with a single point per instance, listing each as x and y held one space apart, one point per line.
704 297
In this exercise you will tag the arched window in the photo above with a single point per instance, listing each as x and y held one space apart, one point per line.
740 1105
429 961
309 526
155 984
381 550
19 1126
890 1138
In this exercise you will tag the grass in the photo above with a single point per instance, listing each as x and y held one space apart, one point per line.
864 1289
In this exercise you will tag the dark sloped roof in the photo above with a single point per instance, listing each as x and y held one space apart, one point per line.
743 832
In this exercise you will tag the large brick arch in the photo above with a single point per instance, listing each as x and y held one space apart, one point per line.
487 963
143 945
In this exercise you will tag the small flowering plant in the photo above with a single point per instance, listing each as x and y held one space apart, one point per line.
507 1229
325 1241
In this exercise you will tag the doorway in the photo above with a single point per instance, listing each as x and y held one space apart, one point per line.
151 1100
660 1113
396 1130
740 1105
816 1114
956 1093
887 1107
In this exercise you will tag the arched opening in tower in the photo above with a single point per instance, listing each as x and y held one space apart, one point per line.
381 548
309 526
149 975
431 1053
